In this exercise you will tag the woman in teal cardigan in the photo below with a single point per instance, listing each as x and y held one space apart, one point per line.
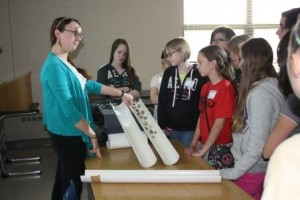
66 109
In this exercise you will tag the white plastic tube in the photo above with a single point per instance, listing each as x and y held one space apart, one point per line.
152 176
153 172
163 146
119 140
140 146
116 141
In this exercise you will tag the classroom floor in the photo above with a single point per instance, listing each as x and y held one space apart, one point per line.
32 186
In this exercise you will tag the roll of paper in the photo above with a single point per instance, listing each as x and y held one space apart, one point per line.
153 172
162 144
140 146
119 140
152 176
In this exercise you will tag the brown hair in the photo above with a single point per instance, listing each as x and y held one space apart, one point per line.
60 24
257 55
236 41
214 52
226 31
127 63
291 17
82 71
282 55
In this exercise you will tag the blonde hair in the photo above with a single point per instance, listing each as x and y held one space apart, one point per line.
180 44
236 41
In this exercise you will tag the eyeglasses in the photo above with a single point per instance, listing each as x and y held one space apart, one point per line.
75 33
218 40
170 54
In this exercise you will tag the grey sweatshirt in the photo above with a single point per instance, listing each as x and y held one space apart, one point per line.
262 110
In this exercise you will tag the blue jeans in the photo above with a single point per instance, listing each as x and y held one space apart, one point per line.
184 137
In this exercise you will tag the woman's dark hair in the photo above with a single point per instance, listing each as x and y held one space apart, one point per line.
82 71
294 42
226 31
291 17
60 24
163 54
282 54
257 65
127 63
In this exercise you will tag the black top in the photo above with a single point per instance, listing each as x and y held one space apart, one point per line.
107 75
178 102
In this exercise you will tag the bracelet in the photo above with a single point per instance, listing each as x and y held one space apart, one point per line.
122 93
93 137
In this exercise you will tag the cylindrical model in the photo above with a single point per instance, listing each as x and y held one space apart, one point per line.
119 140
162 144
140 146
152 176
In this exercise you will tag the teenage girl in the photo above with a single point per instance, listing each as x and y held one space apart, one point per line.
216 109
179 93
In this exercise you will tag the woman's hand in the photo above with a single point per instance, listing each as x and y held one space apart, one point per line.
166 132
96 149
128 99
189 151
194 150
199 153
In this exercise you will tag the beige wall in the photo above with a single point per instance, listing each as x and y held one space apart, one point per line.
147 25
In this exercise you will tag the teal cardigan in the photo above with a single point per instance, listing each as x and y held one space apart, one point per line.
64 101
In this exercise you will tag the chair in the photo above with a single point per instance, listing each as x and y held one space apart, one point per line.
4 158
70 193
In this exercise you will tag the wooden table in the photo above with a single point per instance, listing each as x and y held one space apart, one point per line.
126 159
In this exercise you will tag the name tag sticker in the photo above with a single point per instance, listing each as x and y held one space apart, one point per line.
189 83
212 94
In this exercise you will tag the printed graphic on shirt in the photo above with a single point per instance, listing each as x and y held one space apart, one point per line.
189 83
205 102
117 80
189 86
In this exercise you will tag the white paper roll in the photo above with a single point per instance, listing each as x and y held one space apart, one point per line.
119 140
141 148
163 146
152 176
153 172
153 179
86 179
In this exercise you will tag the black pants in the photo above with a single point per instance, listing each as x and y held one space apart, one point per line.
71 153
